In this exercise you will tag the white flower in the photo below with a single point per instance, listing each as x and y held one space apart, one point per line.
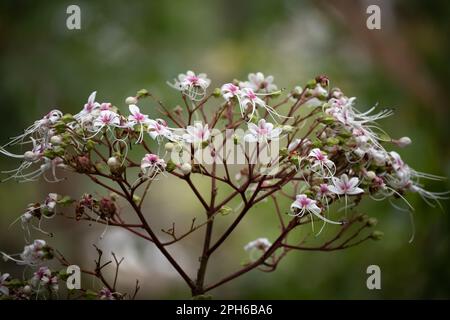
262 132
137 118
151 164
249 97
344 186
323 190
260 244
303 204
33 254
229 91
4 290
106 118
326 167
158 128
192 85
43 278
41 129
257 81
88 108
197 133
106 294
50 202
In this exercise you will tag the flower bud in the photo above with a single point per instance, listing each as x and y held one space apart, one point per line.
131 100
377 235
296 92
29 156
114 164
136 199
56 140
186 168
67 118
288 128
225 210
371 175
169 146
27 289
217 93
403 142
107 208
372 222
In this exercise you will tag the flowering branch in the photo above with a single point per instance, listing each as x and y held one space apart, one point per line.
311 146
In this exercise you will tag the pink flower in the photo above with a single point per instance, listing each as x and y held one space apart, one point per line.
152 164
192 85
138 118
326 167
158 128
229 91
106 118
197 133
91 105
303 204
344 186
264 131
258 81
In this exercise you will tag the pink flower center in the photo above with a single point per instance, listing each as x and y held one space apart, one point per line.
107 118
201 134
251 95
192 79
139 117
304 202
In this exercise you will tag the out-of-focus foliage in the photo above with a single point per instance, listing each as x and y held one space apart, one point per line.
124 46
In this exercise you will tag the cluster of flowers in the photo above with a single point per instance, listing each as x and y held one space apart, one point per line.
342 156
43 281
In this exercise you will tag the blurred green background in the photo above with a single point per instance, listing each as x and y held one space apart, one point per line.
124 46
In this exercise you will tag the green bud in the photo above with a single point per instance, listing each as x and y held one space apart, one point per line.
49 154
295 160
142 93
90 295
59 151
217 92
90 145
311 84
60 127
170 166
377 235
136 199
62 274
67 118
284 152
332 141
317 144
372 222
225 210
345 134
65 201
327 120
